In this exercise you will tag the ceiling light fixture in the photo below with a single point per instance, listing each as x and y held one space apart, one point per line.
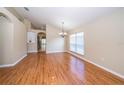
63 33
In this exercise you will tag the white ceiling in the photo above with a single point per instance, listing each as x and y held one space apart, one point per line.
72 16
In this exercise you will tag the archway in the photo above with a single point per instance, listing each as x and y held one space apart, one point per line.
41 42
2 15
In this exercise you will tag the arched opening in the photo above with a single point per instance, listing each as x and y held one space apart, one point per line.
6 40
41 42
2 15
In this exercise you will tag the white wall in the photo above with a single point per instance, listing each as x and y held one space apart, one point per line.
104 41
16 39
55 43
33 46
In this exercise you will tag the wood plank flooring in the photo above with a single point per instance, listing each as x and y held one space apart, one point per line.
56 68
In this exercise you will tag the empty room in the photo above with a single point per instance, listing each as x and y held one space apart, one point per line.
61 46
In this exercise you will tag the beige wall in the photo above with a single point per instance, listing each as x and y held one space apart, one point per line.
104 41
20 39
16 41
27 24
6 41
55 43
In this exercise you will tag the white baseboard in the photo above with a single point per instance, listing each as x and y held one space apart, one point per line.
74 54
10 65
32 51
111 71
53 51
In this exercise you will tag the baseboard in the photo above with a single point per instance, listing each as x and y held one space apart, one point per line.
53 51
32 51
74 54
10 65
106 69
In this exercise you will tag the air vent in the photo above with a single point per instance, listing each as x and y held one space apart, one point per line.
27 9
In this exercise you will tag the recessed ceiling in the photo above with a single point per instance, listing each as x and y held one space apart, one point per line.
72 16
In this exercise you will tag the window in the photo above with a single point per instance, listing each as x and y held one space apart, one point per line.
77 43
72 43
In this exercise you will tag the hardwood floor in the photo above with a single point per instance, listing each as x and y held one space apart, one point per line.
56 68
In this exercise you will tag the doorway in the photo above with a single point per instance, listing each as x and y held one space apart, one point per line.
41 42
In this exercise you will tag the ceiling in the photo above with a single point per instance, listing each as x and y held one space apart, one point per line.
72 16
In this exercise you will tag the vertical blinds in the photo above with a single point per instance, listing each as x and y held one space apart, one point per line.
77 43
